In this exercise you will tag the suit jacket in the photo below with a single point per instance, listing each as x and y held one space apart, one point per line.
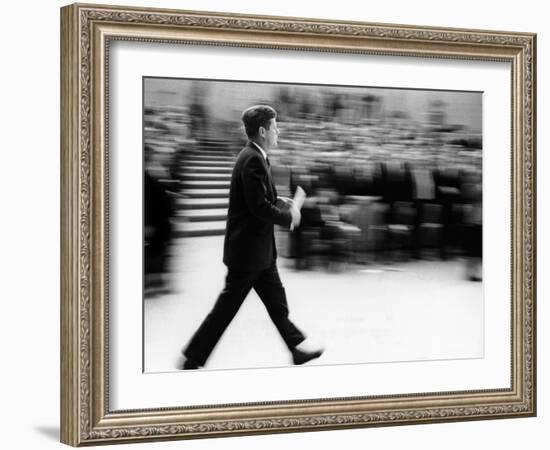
249 239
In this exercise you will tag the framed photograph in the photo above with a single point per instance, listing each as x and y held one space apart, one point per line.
275 224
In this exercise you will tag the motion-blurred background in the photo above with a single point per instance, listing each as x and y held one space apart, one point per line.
389 173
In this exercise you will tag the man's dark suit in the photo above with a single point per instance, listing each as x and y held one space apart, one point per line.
249 254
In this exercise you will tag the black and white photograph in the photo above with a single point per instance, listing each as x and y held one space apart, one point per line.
298 224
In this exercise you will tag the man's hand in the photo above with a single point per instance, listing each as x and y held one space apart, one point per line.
294 211
286 200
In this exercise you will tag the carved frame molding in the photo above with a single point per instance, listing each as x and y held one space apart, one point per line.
86 31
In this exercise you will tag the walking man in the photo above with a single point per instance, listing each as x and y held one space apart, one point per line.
249 246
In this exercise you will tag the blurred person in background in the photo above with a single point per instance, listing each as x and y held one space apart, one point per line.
158 211
249 246
472 225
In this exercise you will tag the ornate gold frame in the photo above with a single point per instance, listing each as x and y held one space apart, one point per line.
86 31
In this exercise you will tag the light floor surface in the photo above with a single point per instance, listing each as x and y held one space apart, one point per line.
369 313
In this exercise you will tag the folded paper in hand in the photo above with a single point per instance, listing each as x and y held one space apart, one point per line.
299 197
298 200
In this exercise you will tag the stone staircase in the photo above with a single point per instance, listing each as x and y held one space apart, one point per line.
201 209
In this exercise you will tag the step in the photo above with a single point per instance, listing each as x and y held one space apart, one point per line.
193 229
202 203
202 162
205 184
206 193
206 156
192 176
207 170
202 215
208 151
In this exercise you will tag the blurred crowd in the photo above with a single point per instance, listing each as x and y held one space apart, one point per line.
381 185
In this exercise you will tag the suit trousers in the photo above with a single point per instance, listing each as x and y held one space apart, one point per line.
269 288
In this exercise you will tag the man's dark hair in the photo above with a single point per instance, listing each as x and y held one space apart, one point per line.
255 117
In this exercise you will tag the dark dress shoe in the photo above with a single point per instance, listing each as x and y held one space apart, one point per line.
190 365
301 357
187 364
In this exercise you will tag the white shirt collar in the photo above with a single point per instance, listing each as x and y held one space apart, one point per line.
261 150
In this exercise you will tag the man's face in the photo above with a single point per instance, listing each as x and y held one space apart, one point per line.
270 135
